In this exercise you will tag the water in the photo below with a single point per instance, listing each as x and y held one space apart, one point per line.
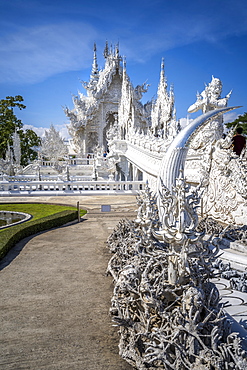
8 218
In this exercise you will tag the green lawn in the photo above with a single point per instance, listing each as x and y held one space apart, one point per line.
45 217
37 210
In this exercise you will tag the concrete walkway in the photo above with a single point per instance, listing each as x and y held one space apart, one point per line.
55 296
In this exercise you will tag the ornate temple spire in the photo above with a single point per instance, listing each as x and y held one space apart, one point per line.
162 73
125 105
162 70
95 71
117 50
106 50
124 68
172 94
163 108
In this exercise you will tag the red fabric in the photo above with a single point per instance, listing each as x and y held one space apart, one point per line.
239 143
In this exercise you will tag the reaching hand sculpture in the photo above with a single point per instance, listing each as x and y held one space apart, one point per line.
167 310
210 98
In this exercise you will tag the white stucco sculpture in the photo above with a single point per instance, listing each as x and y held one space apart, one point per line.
174 159
52 145
167 310
210 99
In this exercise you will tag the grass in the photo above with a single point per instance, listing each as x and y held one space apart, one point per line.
37 210
45 217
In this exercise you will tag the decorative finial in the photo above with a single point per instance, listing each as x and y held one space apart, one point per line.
162 71
106 50
95 71
124 68
124 63
117 50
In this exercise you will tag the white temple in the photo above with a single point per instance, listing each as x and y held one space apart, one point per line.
120 144
112 113
145 141
113 106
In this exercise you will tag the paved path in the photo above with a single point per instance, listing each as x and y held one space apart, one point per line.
55 296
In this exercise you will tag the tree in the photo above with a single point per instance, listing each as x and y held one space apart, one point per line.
29 140
9 124
241 121
53 147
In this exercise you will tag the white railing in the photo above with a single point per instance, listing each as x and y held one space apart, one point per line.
68 187
32 178
71 162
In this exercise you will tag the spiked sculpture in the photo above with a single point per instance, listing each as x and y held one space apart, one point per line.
167 309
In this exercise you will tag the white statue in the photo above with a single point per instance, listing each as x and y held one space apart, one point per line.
17 148
168 311
210 98
225 183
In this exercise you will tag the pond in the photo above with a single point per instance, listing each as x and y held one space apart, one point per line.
10 218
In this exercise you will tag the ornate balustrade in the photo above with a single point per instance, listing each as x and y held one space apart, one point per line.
68 187
146 160
72 162
151 143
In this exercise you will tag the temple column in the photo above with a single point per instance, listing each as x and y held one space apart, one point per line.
135 173
101 127
130 172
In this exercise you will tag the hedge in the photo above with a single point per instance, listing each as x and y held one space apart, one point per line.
13 234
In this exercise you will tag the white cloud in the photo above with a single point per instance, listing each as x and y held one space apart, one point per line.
40 131
32 54
185 121
63 130
230 116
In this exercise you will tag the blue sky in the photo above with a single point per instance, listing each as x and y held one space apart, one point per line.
46 48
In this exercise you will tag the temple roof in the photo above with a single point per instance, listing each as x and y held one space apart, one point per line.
101 80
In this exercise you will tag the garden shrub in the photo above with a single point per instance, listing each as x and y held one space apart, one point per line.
12 235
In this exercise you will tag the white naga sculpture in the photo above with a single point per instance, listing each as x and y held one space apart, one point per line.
174 160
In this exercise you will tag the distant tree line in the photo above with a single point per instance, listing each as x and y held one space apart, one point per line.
241 121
